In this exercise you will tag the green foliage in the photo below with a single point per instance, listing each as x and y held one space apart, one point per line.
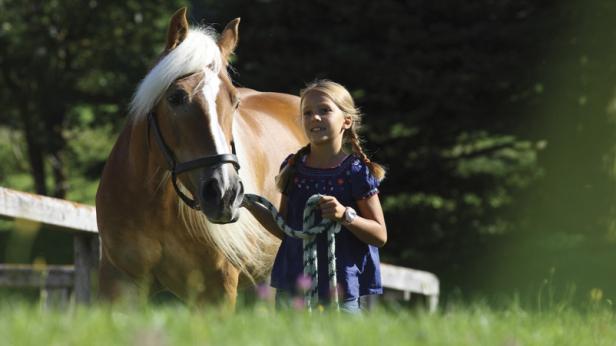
89 148
67 71
460 325
12 153
67 59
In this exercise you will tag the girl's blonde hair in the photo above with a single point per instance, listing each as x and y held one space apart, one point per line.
343 100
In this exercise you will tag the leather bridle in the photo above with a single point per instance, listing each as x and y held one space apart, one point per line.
177 168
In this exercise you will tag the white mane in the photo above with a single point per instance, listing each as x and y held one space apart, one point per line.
198 52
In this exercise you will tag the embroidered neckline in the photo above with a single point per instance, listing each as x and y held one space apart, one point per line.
301 165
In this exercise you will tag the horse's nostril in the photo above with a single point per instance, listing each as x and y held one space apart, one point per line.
241 190
240 194
210 190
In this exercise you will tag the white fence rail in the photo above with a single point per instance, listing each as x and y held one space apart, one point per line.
47 210
81 220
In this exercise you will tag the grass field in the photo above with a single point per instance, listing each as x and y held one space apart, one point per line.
30 324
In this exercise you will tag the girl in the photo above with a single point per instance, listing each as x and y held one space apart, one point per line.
349 183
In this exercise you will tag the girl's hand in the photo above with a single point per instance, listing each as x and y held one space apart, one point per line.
331 208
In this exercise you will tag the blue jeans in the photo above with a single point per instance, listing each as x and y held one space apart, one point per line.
351 306
285 301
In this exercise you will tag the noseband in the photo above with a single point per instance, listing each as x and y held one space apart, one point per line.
178 168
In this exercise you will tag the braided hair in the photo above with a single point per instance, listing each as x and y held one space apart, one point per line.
284 177
343 100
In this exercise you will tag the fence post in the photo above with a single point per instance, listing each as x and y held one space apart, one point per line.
86 260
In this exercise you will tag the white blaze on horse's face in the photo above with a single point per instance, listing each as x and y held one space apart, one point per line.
221 191
210 93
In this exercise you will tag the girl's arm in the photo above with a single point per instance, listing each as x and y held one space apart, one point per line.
368 226
266 219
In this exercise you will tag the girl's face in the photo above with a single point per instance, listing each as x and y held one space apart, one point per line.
323 121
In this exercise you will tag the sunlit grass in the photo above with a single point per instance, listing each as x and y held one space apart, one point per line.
30 324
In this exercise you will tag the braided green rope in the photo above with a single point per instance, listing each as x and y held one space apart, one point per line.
308 236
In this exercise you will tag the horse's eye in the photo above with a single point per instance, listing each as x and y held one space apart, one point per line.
178 98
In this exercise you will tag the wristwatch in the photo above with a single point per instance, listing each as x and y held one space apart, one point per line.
349 215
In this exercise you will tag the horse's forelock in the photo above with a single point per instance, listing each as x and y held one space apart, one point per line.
198 52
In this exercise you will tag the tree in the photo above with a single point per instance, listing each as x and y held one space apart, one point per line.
61 57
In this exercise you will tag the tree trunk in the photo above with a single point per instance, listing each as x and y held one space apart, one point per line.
54 122
57 167
35 151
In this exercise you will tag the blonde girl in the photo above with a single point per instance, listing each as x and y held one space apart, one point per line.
334 165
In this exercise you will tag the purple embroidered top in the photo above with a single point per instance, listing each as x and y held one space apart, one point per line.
358 264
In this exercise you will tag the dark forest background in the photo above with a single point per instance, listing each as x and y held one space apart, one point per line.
496 119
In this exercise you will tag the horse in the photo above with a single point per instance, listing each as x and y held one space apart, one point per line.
169 200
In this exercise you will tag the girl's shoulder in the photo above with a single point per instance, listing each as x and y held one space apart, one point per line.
363 183
357 164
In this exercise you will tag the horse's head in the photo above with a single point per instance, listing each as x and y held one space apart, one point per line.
190 102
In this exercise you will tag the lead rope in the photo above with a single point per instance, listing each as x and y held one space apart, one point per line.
308 235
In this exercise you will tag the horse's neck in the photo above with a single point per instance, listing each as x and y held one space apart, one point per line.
267 130
142 170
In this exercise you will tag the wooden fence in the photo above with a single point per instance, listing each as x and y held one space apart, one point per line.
67 217
60 281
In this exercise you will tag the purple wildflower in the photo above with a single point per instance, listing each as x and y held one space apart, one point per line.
298 303
304 282
264 292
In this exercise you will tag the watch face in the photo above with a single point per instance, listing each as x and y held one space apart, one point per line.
349 215
352 213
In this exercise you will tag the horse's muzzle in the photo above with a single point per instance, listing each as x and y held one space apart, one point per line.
221 205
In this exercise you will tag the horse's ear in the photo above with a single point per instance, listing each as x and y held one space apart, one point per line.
178 29
228 39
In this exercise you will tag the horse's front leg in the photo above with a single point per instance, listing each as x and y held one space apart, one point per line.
129 276
216 287
114 285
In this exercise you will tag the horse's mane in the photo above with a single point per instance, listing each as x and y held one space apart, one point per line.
198 52
243 243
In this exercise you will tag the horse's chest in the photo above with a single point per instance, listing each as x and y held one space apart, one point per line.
185 252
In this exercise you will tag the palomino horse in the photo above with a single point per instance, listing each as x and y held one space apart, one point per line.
168 204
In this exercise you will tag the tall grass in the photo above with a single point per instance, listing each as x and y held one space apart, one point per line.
30 324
